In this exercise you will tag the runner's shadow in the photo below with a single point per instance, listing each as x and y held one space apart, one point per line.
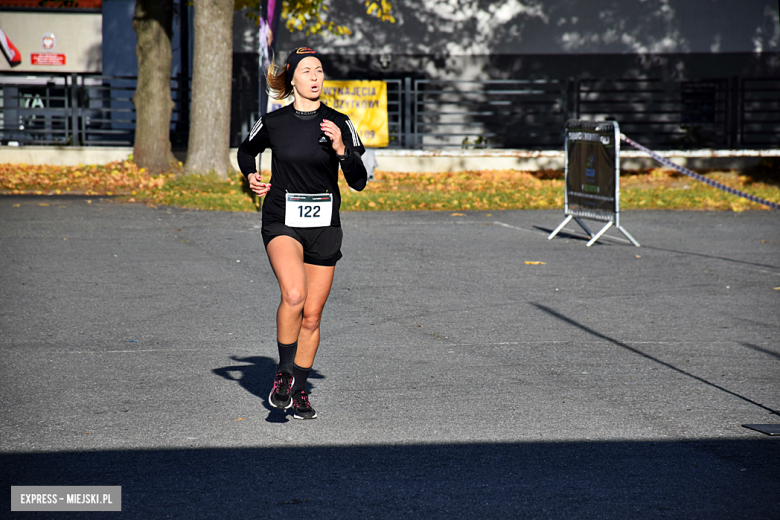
257 378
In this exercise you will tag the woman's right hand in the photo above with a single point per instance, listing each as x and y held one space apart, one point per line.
260 188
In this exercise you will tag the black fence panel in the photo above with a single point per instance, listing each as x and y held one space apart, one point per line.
244 111
759 113
107 113
661 114
394 112
489 114
79 110
95 110
36 113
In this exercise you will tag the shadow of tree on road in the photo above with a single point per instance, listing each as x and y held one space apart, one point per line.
709 478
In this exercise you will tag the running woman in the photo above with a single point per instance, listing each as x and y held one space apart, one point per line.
301 227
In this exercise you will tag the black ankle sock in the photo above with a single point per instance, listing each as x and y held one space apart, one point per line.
286 356
300 375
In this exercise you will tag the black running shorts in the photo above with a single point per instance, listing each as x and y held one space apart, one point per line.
321 246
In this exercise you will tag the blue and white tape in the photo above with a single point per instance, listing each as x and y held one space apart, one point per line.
694 175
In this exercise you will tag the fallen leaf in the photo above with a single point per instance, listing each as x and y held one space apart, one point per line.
777 288
536 263
240 419
458 215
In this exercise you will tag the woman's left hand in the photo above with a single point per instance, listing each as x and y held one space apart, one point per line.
333 132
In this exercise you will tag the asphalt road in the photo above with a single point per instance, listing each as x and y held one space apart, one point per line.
454 380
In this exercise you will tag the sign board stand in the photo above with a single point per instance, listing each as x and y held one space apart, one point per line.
592 176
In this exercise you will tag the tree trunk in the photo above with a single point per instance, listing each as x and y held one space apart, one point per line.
153 23
209 144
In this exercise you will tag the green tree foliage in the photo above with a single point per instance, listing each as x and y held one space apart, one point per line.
309 15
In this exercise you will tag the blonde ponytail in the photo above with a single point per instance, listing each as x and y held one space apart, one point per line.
278 85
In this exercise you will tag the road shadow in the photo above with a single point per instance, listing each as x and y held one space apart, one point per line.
761 349
713 257
587 329
706 479
256 376
584 238
569 235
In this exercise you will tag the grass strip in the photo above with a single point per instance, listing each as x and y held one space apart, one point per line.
393 191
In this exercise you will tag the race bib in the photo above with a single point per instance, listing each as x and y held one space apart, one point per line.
305 210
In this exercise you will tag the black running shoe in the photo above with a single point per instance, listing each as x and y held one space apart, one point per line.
280 393
301 406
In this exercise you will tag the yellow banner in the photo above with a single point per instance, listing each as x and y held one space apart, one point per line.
365 102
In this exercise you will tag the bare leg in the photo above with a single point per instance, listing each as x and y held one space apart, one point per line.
305 289
286 255
320 279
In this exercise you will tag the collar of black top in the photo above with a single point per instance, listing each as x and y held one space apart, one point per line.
295 58
312 113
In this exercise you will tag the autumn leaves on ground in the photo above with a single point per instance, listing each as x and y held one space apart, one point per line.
453 191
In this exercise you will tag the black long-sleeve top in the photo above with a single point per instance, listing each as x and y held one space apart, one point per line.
303 160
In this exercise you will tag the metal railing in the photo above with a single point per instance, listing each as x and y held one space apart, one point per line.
759 112
395 102
94 110
489 114
713 113
688 114
37 113
78 110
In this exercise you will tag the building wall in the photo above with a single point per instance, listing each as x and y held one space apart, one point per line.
77 37
553 39
119 57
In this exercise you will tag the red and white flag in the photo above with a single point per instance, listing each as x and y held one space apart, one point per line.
12 54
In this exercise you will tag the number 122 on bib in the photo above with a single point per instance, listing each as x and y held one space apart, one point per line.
308 210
